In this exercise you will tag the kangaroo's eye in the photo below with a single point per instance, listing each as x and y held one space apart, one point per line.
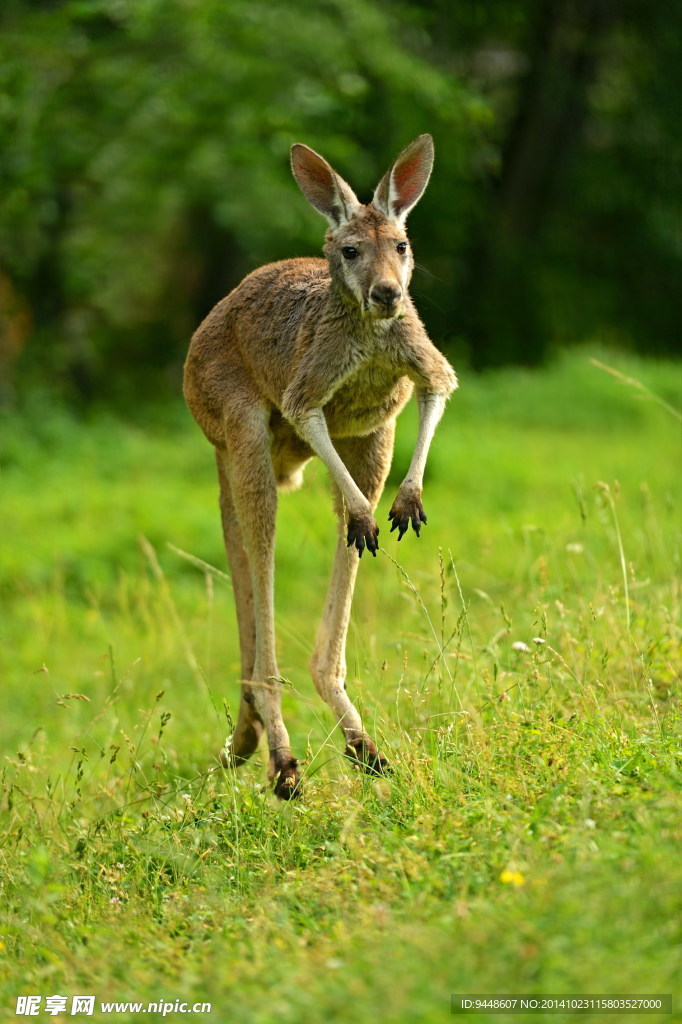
402 248
349 253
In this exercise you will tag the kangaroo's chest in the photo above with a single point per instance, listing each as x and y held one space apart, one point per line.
374 393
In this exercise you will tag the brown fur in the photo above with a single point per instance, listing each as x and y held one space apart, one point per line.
305 357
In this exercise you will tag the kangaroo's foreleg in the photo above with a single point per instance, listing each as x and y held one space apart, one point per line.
368 460
408 503
362 529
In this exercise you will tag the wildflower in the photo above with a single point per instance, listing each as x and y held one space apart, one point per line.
519 645
509 877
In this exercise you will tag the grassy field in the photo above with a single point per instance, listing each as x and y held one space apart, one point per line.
519 663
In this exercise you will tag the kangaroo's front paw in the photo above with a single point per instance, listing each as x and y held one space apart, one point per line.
407 506
363 532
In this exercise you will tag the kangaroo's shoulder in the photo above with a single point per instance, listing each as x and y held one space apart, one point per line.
297 275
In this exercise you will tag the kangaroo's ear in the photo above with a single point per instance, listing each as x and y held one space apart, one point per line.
402 187
322 186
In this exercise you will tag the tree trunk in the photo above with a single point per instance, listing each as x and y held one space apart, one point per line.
506 320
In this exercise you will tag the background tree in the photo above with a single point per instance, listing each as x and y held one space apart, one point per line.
145 169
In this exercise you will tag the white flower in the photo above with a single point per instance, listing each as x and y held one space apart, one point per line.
519 645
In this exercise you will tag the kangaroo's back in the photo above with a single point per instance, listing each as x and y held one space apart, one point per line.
251 335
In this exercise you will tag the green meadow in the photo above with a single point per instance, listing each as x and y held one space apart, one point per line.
519 665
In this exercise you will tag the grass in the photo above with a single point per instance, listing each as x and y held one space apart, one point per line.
519 664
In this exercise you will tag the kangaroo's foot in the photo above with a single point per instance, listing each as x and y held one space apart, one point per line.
239 747
246 736
365 756
284 775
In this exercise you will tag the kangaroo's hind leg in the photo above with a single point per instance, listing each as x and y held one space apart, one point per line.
249 728
248 470
368 460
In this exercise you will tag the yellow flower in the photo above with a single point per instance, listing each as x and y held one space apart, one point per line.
512 877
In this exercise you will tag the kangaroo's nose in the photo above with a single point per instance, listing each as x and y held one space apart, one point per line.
385 293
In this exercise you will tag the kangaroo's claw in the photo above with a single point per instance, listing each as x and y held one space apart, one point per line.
363 533
405 510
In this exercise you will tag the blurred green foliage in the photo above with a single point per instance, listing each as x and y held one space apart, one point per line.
144 169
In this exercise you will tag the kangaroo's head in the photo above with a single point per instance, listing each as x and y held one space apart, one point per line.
367 246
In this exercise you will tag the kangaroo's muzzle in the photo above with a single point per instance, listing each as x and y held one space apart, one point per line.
385 299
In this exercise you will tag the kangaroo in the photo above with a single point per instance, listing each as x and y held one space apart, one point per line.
316 357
